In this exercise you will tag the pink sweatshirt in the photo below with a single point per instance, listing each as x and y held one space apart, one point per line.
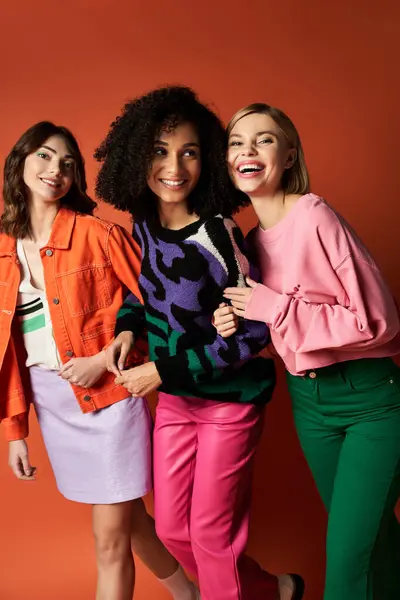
322 294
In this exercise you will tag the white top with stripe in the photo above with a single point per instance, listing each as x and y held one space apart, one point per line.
34 317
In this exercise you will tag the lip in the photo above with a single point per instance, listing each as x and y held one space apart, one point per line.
175 185
253 174
53 184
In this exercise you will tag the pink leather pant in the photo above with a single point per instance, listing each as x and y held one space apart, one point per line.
203 459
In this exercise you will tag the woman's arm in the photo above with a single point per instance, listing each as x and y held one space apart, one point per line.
365 314
204 361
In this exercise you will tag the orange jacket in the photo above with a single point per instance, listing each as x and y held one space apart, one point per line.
88 266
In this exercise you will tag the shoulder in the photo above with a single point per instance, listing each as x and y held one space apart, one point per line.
327 227
109 238
98 226
321 215
316 210
7 243
222 226
89 221
221 222
226 237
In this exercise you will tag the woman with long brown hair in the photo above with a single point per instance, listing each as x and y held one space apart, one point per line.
63 276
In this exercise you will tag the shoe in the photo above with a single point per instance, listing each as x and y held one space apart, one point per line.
299 586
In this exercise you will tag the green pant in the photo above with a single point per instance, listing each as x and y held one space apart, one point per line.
348 421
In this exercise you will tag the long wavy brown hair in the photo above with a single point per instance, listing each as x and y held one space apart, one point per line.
15 220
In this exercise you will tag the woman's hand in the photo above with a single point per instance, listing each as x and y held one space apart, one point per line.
240 296
225 321
117 352
84 371
140 380
18 460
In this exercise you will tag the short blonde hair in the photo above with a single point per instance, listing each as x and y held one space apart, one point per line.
296 179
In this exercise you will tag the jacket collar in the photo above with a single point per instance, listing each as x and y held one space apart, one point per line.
61 232
60 236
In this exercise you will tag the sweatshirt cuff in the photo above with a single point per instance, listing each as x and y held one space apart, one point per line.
264 304
16 428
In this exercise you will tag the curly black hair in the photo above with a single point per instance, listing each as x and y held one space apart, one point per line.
127 152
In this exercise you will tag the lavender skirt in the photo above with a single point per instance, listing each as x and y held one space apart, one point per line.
102 457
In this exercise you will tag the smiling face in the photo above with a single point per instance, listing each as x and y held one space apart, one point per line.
49 171
176 165
258 154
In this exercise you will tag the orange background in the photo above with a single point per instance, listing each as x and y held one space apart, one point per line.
333 66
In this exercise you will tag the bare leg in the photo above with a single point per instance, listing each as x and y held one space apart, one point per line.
155 556
147 545
115 565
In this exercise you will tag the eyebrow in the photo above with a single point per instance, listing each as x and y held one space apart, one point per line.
161 143
267 132
55 152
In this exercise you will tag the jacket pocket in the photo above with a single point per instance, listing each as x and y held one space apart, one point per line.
95 338
86 290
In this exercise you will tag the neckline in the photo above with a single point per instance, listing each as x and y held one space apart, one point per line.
273 233
24 262
175 235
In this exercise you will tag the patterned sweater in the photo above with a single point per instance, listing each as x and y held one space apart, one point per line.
184 273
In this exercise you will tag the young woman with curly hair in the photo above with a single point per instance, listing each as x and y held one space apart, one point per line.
335 324
63 276
164 162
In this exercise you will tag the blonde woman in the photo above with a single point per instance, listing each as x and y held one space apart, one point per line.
335 324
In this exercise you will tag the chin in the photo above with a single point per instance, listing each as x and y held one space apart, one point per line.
173 200
248 189
52 199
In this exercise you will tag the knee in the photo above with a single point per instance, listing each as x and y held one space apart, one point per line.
165 528
167 523
141 521
113 545
169 528
204 535
143 528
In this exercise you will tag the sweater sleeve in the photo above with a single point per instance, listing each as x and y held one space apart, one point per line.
204 361
365 316
131 317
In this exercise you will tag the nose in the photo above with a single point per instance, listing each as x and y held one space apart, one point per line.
56 167
248 150
174 164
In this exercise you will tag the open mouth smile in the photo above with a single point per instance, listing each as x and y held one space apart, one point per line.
173 184
250 169
50 182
